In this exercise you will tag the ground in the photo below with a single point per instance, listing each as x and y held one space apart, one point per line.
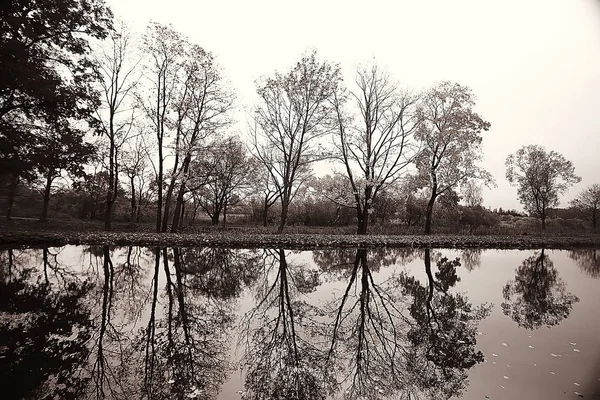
58 233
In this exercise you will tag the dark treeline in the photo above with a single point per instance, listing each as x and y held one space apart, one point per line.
99 123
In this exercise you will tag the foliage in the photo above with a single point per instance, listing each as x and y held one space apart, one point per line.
450 137
588 203
540 177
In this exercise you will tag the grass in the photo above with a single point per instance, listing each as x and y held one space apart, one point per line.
57 233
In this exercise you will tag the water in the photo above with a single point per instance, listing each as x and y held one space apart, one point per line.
131 322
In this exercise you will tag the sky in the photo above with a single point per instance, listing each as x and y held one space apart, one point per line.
534 65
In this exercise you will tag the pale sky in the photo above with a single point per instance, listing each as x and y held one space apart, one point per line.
534 65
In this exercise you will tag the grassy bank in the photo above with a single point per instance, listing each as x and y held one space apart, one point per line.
260 240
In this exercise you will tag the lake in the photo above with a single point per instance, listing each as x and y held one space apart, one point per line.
218 323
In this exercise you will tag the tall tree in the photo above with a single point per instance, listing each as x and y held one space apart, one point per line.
295 110
588 202
376 148
202 107
540 176
118 69
450 136
163 48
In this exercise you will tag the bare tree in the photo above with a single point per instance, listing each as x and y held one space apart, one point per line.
226 171
163 49
378 147
541 177
118 67
588 202
451 142
203 105
295 110
135 163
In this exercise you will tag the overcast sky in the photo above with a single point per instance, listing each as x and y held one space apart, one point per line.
534 65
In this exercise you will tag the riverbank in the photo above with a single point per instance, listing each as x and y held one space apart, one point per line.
292 241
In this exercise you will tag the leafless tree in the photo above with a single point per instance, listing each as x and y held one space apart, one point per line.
377 146
295 111
588 202
118 66
163 48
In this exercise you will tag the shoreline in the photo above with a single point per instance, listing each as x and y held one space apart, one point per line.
295 241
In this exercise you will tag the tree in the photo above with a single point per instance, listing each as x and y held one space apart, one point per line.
163 48
540 177
134 161
45 69
60 149
588 202
116 116
450 136
376 149
225 172
295 110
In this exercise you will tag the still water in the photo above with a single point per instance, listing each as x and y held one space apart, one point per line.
215 323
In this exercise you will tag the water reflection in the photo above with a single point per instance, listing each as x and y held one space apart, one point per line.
537 296
106 322
44 330
588 260
280 359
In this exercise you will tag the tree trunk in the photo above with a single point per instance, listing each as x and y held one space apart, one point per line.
225 214
111 182
215 219
44 215
284 214
12 189
160 189
265 211
543 221
429 216
594 217
179 200
363 220
132 181
165 221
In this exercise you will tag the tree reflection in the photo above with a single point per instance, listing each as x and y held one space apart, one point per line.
280 359
471 258
402 339
185 343
537 296
219 272
588 260
44 330
442 331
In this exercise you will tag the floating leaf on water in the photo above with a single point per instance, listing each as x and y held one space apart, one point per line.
504 344
573 343
508 365
494 363
494 355
506 377
576 384
554 355
502 387
578 394
553 373
576 350
531 347
171 381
